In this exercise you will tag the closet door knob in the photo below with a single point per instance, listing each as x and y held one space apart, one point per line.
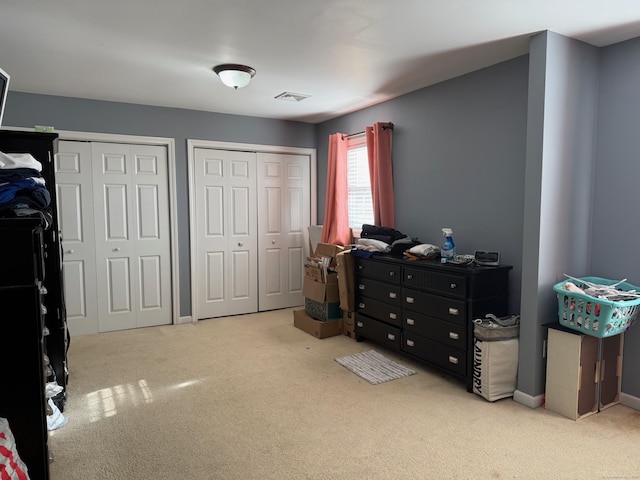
273 242
69 252
239 244
117 249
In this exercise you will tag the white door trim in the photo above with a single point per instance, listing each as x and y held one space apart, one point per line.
192 144
169 143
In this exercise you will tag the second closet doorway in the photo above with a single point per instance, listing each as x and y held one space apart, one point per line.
250 211
114 209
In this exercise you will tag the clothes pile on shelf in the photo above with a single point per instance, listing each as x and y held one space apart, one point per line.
11 466
375 239
22 189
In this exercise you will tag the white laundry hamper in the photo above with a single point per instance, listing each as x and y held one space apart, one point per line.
495 356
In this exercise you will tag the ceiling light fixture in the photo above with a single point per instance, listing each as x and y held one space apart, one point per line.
233 75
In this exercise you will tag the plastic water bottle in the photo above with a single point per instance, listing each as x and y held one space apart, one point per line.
448 250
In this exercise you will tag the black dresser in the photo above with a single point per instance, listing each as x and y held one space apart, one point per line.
32 314
425 309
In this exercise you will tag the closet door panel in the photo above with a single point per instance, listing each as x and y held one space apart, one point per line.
133 239
114 248
74 185
225 217
151 236
284 215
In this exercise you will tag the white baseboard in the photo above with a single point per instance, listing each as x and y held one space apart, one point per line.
183 320
537 401
528 400
630 401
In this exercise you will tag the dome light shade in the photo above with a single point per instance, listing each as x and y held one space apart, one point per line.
233 75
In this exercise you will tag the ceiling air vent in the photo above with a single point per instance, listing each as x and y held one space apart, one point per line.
291 97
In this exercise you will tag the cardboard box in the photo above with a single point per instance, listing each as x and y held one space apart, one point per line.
349 324
322 292
346 280
314 272
315 327
322 311
328 250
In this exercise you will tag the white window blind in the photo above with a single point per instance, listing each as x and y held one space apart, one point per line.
359 185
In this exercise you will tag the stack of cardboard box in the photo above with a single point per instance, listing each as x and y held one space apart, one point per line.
322 316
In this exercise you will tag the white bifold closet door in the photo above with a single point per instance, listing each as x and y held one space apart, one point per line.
124 212
226 232
251 211
74 184
283 218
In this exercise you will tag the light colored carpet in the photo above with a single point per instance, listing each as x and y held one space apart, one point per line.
254 398
374 367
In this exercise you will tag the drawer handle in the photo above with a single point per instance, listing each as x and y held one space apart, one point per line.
453 311
410 343
454 285
391 274
361 305
360 324
360 267
393 295
409 276
391 336
392 316
410 300
411 321
361 287
454 336
453 360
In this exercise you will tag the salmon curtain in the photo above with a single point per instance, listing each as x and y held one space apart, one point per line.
336 211
381 173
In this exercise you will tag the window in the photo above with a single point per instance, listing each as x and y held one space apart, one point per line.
358 184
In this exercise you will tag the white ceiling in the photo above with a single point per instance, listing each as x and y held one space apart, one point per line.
345 54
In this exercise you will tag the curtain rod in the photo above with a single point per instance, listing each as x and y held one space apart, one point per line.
387 126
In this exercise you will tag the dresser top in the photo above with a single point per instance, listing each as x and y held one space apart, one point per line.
470 268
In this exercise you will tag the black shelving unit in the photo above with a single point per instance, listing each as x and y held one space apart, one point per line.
33 316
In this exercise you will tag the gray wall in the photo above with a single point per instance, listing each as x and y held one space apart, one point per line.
459 151
27 110
615 251
561 123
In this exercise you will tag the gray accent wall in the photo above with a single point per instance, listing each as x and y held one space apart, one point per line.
459 152
563 76
27 110
615 233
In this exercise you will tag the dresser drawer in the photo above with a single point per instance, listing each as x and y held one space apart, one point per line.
379 310
444 332
379 332
437 353
385 292
453 285
379 270
443 308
